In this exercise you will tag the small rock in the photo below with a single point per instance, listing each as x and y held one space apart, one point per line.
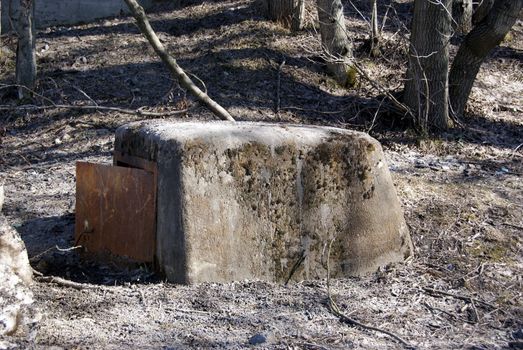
257 339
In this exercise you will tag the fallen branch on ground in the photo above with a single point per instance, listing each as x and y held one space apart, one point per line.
95 107
452 316
138 111
334 309
176 70
33 258
436 293
512 225
66 283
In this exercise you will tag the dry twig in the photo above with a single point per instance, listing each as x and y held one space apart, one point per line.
402 107
51 104
512 225
296 265
33 258
436 293
452 316
334 309
66 283
138 111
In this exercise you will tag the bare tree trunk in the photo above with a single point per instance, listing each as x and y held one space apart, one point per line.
335 41
23 21
170 62
475 48
481 12
374 31
426 89
290 13
462 14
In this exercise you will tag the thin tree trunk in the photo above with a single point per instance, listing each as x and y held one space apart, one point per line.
335 41
426 89
374 31
176 70
462 14
23 21
290 13
475 48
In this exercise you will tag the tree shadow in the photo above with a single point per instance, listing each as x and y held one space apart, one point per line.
176 26
486 131
239 78
505 52
47 156
52 251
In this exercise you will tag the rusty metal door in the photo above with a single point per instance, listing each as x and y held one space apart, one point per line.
116 211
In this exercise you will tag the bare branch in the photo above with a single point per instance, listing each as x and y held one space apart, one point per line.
138 111
176 70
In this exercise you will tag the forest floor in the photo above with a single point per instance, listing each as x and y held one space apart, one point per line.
462 191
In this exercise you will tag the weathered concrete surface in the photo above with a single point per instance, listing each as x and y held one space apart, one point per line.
250 200
67 12
17 313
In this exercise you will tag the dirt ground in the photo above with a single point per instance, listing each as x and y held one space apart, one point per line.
462 191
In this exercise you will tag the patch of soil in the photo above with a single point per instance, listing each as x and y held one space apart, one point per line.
462 192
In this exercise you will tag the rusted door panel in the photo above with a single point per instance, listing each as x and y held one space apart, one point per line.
116 210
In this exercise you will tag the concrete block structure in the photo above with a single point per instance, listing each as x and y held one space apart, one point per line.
251 200
69 12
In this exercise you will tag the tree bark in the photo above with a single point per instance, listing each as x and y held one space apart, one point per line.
475 48
462 14
334 40
426 89
481 12
170 62
374 31
23 22
290 13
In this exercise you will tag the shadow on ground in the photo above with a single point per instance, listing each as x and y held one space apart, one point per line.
52 251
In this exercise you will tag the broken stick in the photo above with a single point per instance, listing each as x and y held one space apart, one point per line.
147 31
